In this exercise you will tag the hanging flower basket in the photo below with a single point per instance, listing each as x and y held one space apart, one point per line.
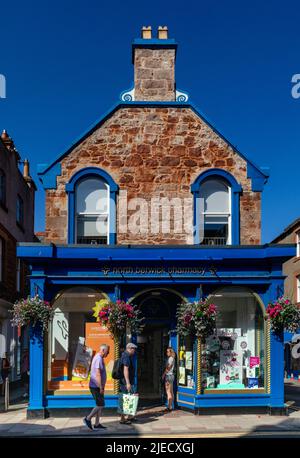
118 317
196 318
283 315
32 310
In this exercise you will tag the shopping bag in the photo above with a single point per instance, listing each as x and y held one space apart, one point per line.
128 404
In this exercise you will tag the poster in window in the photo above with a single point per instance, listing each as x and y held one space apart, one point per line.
97 335
253 383
231 369
182 375
189 360
254 361
82 361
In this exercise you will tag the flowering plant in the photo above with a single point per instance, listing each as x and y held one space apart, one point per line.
196 318
283 314
32 311
117 316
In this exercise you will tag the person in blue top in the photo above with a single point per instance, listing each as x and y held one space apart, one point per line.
127 378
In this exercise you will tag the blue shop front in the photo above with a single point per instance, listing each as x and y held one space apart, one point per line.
240 367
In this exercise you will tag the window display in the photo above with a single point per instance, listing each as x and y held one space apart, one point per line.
186 362
74 338
233 358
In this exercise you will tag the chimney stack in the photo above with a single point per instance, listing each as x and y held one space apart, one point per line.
154 66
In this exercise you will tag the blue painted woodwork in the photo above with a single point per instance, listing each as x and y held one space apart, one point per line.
55 267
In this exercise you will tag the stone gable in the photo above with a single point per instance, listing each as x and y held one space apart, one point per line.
154 151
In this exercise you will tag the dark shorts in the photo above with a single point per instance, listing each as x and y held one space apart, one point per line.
99 398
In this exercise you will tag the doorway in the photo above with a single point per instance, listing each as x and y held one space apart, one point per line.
152 346
158 307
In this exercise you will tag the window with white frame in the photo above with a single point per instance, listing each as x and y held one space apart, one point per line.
92 211
215 212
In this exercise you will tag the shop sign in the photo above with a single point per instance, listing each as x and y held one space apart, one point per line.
158 271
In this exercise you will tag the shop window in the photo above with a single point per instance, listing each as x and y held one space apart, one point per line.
186 362
215 213
2 188
74 338
20 211
234 357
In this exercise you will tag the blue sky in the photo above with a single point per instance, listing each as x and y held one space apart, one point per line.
66 62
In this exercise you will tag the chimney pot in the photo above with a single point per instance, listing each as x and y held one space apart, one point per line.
4 134
26 169
147 32
162 32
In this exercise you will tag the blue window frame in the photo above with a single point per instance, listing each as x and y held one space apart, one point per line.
92 207
216 208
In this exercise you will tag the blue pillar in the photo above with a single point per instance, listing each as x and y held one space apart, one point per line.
36 366
277 355
36 393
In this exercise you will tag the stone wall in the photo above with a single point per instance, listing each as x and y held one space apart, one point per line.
154 74
154 152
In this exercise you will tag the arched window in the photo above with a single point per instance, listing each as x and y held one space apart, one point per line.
2 187
92 211
216 208
92 207
215 212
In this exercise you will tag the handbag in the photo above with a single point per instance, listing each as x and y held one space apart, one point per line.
128 404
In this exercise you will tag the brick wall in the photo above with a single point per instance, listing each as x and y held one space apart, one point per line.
154 152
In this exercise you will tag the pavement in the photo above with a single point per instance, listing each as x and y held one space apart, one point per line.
153 422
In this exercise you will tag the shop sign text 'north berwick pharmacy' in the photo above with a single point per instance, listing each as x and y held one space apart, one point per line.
156 271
